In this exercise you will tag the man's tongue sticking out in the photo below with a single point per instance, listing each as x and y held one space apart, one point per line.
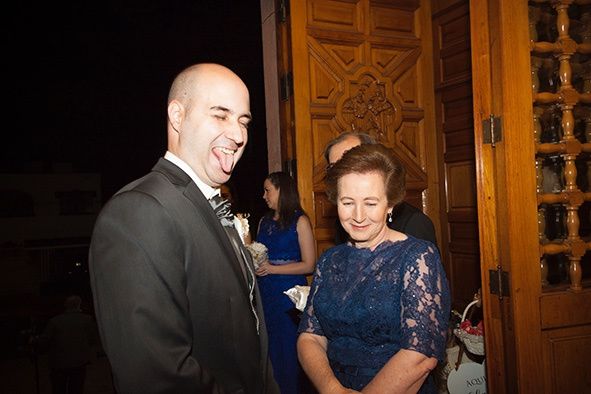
226 158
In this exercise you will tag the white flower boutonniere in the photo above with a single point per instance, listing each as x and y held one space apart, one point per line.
241 225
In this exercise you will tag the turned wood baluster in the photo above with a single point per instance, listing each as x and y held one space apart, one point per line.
562 20
568 123
575 274
569 98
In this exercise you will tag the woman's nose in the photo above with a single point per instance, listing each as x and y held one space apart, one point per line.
359 214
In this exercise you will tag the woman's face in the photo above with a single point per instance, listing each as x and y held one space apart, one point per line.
271 195
362 206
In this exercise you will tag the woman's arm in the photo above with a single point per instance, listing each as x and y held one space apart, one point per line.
312 356
307 250
424 318
405 372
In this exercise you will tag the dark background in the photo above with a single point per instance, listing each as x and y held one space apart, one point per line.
89 81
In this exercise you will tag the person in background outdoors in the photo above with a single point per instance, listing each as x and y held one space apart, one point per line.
405 217
69 338
377 315
287 233
174 289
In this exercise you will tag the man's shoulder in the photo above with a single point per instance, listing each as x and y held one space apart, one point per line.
164 181
406 208
411 220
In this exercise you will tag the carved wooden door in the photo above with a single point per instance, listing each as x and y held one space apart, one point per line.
366 66
531 73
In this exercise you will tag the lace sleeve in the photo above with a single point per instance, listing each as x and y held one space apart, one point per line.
309 322
425 303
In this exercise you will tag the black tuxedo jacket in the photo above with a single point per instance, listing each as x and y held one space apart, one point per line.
171 300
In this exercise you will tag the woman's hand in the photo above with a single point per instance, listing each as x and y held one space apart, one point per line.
264 269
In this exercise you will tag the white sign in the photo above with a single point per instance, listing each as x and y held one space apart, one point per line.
470 378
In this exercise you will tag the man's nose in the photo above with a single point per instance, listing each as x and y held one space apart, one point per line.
236 132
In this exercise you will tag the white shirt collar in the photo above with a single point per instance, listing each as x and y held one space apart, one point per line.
207 190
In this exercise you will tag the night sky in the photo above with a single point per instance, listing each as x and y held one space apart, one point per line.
89 80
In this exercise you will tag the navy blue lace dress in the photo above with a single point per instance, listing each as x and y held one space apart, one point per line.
371 304
281 317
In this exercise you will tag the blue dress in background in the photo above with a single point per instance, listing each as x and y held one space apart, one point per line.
281 317
371 304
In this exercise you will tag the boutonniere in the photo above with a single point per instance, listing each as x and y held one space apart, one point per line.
241 225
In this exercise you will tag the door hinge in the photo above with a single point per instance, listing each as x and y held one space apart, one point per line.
291 166
499 282
492 130
286 86
283 11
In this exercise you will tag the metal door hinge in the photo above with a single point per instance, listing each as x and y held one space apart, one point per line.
291 166
492 130
499 282
286 86
283 11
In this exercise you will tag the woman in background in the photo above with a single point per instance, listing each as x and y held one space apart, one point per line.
377 315
287 233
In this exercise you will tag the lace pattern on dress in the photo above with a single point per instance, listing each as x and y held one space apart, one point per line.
371 304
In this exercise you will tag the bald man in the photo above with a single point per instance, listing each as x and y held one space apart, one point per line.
175 295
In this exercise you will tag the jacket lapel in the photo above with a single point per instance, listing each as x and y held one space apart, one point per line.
202 206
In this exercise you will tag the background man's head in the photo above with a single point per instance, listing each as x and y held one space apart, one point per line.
208 117
335 149
72 303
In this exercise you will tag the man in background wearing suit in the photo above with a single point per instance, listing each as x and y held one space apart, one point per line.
405 217
175 296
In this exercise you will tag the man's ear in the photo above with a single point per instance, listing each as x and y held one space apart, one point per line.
176 114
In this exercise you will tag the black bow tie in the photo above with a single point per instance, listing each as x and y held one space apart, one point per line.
223 210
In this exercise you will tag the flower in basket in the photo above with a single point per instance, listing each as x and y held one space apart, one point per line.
258 251
467 326
471 336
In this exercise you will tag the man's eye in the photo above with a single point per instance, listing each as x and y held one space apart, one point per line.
220 117
245 125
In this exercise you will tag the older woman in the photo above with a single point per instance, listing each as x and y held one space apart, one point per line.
376 320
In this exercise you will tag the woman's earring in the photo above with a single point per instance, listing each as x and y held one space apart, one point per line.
390 217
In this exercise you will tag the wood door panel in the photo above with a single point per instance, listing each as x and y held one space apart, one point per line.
567 357
456 64
460 185
451 28
359 65
465 270
557 309
345 16
348 57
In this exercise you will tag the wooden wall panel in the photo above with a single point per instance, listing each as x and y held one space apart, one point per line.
453 84
567 357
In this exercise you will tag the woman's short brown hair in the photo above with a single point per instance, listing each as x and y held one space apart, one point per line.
368 158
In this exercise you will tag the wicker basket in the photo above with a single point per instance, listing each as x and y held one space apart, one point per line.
474 343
